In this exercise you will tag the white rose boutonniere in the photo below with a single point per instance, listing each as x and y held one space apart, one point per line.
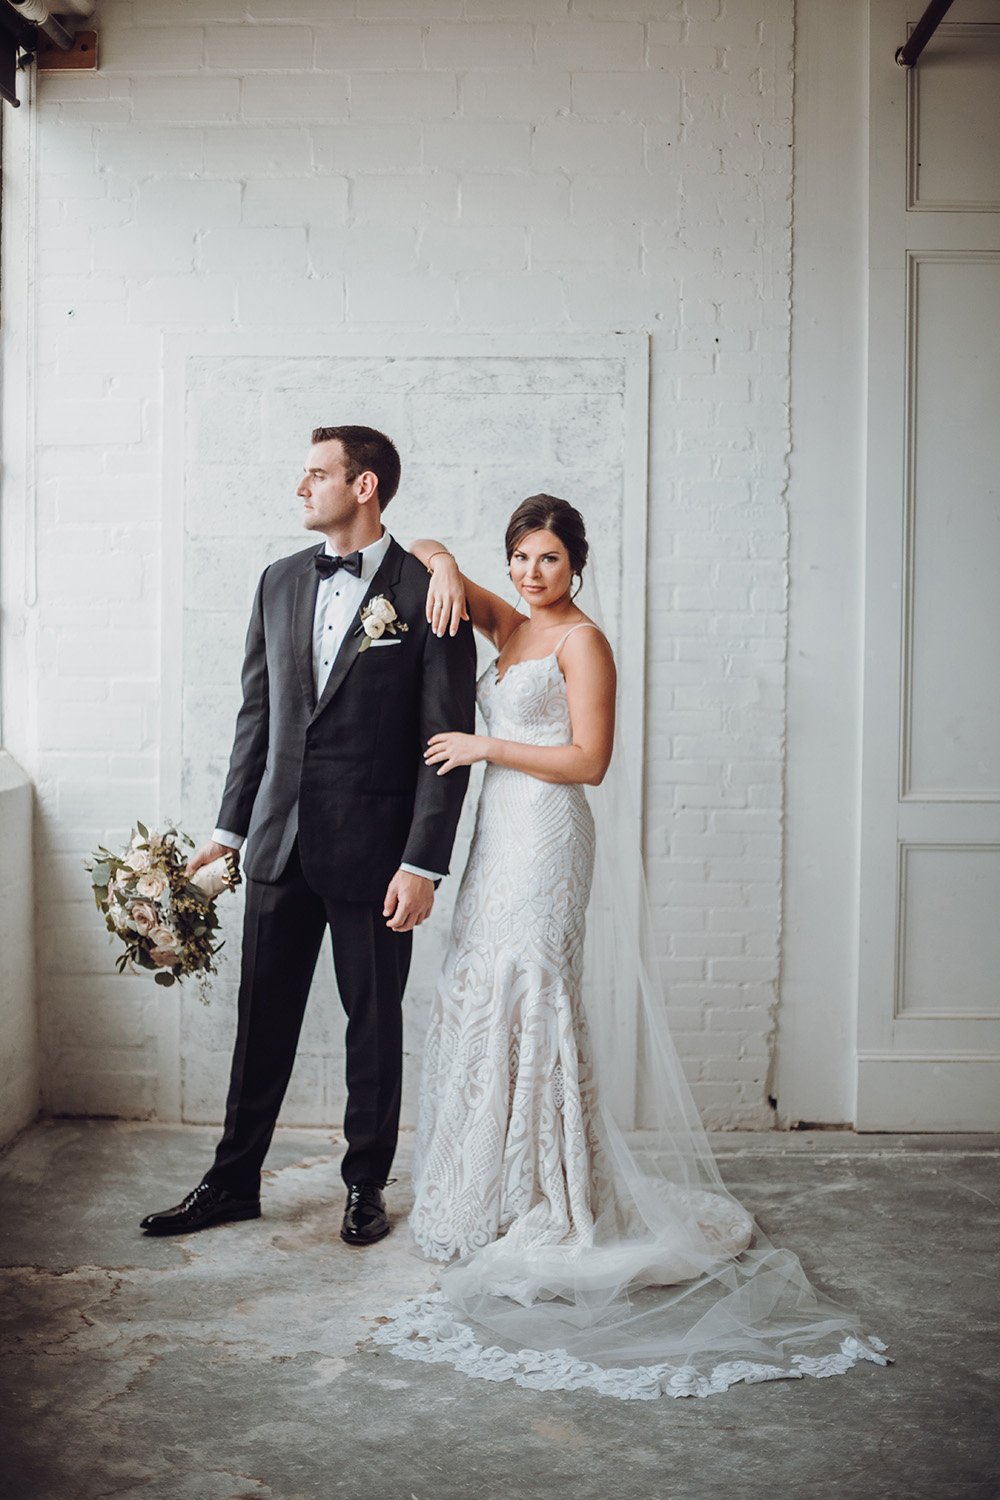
380 608
378 618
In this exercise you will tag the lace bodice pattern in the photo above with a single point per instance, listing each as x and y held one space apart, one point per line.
504 1113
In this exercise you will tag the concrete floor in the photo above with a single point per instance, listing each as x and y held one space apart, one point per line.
235 1364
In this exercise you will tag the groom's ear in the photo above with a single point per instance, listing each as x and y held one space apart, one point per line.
366 488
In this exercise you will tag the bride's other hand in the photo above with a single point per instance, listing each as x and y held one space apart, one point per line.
446 602
446 751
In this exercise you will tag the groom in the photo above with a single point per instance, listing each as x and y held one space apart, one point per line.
347 828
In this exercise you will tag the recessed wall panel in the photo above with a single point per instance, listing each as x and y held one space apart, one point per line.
476 434
950 935
952 688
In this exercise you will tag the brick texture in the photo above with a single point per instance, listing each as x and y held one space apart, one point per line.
444 167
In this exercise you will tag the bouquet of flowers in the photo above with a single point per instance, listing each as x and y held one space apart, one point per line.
167 922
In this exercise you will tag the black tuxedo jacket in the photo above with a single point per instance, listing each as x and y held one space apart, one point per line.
346 773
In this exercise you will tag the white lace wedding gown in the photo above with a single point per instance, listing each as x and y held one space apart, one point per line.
517 1180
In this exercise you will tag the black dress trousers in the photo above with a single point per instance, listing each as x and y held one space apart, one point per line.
282 932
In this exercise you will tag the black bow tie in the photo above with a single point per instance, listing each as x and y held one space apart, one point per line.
326 565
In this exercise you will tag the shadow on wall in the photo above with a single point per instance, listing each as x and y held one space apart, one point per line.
18 1021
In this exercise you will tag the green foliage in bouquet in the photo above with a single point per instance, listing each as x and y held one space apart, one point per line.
167 924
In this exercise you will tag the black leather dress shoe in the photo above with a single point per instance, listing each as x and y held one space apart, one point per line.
204 1206
365 1218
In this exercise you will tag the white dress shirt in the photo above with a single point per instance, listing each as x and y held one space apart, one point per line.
338 600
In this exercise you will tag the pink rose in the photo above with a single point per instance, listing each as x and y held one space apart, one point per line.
166 946
164 939
164 959
144 916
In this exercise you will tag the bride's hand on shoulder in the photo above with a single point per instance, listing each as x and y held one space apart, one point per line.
447 606
446 751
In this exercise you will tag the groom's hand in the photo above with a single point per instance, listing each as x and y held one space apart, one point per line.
206 854
408 901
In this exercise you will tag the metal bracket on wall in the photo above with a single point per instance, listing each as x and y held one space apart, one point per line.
81 53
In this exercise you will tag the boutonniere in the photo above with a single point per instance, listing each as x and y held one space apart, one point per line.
378 618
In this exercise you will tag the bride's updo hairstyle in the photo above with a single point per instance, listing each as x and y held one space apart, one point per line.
549 513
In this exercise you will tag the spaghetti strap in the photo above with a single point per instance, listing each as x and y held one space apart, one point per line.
581 625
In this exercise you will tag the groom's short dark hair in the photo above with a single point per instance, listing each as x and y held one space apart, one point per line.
365 448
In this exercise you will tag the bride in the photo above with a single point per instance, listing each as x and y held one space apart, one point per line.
505 1111
574 1258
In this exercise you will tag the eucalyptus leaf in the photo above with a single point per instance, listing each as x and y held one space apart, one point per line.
143 830
163 978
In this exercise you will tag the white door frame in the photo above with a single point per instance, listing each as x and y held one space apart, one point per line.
917 1070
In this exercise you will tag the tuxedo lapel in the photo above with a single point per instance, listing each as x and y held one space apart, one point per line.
303 613
385 579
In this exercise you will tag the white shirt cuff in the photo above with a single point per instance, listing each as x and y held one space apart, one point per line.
427 874
231 840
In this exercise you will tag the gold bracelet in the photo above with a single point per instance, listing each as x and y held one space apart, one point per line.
441 552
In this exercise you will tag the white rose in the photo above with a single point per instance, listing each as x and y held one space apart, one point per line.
382 610
138 859
374 628
151 885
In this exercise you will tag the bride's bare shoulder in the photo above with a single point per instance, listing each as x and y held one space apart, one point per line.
585 656
591 641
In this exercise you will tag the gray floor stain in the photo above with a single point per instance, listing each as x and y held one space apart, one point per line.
236 1364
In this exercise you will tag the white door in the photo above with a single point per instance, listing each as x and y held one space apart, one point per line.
929 1006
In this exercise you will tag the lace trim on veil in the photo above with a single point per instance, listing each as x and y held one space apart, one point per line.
424 1329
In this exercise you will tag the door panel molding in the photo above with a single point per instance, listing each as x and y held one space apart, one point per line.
909 789
971 40
923 1063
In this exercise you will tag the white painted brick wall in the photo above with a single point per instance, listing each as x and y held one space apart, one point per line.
436 165
452 414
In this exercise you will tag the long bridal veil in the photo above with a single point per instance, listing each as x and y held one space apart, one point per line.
676 1290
